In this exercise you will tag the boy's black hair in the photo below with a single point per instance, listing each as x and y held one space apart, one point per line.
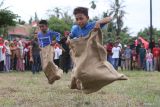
82 10
44 22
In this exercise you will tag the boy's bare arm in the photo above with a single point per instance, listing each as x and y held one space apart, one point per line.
102 21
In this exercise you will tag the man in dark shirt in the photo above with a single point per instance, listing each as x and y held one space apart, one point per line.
35 56
65 62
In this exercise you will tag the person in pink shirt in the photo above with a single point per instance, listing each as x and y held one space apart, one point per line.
149 60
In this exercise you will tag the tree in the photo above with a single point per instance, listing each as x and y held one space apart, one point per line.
68 19
57 12
30 20
36 17
145 33
117 10
93 5
7 18
58 25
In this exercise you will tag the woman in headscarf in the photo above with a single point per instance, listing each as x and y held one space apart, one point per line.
8 56
20 57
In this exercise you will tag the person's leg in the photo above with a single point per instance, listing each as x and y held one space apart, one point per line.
144 64
122 63
9 62
151 65
147 63
113 63
1 66
38 63
116 63
129 64
33 64
6 64
158 63
126 64
141 63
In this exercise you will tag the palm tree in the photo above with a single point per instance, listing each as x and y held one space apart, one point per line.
67 18
117 10
56 12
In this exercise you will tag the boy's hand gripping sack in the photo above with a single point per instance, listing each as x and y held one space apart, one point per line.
90 65
51 70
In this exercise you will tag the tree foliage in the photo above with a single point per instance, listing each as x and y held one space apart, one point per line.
7 18
145 33
93 5
118 12
59 25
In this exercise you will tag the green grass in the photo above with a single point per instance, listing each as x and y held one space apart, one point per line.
22 89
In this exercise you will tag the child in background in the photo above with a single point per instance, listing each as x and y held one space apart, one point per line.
149 60
57 54
122 59
134 59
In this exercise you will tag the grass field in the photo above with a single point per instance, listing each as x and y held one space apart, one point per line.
22 89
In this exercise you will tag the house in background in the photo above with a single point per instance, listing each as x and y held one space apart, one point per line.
25 31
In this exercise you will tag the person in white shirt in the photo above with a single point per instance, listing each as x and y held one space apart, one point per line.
57 54
115 55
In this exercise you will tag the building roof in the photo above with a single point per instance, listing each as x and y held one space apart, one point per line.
23 30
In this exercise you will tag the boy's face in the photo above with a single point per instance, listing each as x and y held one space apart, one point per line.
81 19
43 28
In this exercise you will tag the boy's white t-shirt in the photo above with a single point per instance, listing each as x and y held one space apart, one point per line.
57 53
116 51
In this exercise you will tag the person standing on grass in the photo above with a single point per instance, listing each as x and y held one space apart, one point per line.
65 61
142 54
57 54
134 59
2 54
115 55
8 56
123 59
128 53
109 51
35 56
149 60
27 56
20 57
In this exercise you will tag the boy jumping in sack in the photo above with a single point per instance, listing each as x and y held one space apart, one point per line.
45 39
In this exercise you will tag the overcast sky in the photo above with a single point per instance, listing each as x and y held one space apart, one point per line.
137 16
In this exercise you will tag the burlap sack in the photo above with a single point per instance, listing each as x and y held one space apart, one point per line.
51 70
90 65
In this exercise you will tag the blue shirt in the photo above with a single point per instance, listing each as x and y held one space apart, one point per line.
77 31
46 39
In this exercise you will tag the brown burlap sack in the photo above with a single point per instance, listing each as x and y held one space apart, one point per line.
90 65
51 70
